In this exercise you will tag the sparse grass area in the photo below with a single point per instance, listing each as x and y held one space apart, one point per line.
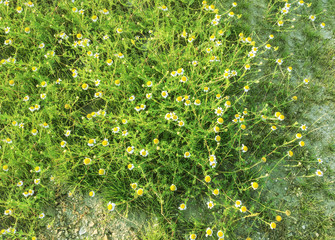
180 110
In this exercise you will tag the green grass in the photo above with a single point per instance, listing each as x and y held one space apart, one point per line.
151 60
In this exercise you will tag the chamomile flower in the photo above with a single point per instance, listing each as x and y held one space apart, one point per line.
302 143
58 81
168 116
251 54
8 42
215 22
120 55
8 212
149 84
244 148
181 123
67 133
105 142
290 153
197 102
187 154
231 14
219 111
243 209
165 94
182 206
246 88
319 160
173 188
109 62
319 173
91 142
130 166
43 96
180 71
247 67
144 153
238 203
193 236
281 117
279 61
101 171
96 55
312 18
97 82
111 206
215 192
273 225
273 128
183 79
148 95
183 34
63 143
117 82
37 169
116 129
87 161
124 133
194 63
42 215
119 30
105 11
218 43
133 185
303 127
91 193
94 18
298 135
187 103
27 30
19 9
322 25
139 191
254 185
280 23
284 11
191 39
209 232
210 204
37 181
220 234
19 184
306 80
164 8
289 69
